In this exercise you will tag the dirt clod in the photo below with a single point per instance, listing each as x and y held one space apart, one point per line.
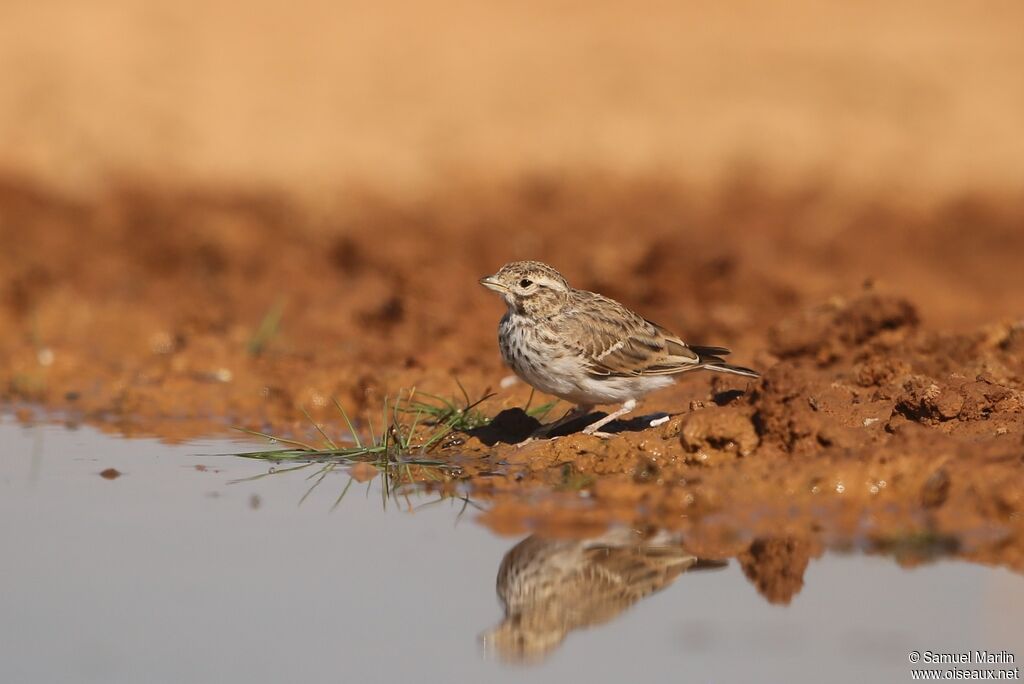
717 433
776 567
924 400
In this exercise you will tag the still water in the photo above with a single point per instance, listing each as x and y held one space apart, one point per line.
176 571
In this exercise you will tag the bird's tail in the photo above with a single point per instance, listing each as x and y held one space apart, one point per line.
711 359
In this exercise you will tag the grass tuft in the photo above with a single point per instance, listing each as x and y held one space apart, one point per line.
445 414
398 446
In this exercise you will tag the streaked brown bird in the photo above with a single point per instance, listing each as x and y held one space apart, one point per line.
549 587
586 348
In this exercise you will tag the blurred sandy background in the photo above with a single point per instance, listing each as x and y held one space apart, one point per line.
922 98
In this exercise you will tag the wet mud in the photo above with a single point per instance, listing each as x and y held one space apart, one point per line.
889 418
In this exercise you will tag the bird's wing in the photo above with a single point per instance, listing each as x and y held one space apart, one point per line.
631 573
614 341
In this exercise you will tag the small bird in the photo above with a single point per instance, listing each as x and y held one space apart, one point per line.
586 348
550 587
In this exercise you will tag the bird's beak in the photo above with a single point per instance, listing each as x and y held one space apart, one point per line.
491 283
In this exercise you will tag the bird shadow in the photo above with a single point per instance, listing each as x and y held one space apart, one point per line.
511 426
514 425
726 397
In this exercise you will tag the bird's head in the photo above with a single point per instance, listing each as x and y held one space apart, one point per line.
530 288
517 642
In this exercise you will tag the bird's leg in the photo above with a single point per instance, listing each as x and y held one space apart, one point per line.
594 428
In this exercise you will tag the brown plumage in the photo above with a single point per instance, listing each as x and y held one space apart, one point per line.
549 587
586 348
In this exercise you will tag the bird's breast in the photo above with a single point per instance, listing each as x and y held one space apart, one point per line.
533 352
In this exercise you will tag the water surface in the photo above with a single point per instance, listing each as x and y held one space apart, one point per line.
173 571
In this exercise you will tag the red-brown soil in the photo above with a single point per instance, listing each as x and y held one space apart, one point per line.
890 415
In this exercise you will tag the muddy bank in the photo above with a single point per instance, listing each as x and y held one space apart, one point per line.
889 414
872 434
867 433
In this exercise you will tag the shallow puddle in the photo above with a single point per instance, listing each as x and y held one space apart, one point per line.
132 560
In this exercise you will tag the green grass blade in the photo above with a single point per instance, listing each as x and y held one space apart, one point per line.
323 473
385 428
344 491
351 428
283 440
373 433
253 478
327 440
465 394
542 411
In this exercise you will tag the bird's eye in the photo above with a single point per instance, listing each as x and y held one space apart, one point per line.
525 282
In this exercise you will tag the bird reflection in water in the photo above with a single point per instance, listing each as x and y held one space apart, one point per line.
549 587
